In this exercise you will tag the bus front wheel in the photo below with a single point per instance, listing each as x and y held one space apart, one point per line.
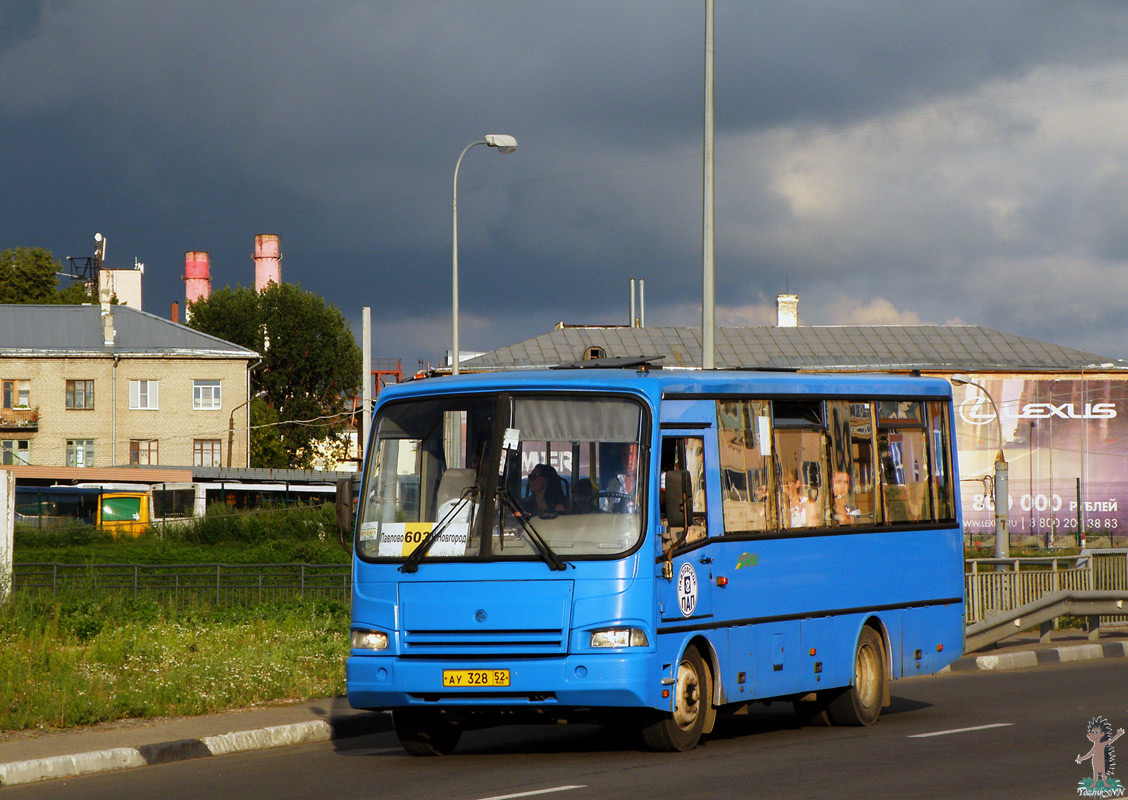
681 730
860 703
425 732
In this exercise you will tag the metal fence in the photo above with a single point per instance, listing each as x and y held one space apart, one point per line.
991 586
187 584
994 586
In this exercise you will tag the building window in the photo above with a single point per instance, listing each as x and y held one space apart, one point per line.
205 453
144 395
15 451
206 395
143 452
80 452
80 394
15 394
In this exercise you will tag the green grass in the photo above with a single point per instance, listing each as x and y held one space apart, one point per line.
81 661
271 536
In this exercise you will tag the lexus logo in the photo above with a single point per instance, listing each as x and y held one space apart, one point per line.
977 411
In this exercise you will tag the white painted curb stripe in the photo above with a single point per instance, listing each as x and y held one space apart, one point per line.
278 736
39 769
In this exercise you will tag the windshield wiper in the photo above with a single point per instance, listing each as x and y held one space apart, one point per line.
531 533
411 564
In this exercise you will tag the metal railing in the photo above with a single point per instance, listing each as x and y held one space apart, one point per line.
188 584
997 585
992 587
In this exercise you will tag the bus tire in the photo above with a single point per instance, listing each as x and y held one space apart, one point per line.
693 691
860 703
424 732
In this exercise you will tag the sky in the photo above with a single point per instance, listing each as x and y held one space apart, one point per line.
901 163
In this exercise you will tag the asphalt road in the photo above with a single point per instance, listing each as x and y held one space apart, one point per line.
1011 735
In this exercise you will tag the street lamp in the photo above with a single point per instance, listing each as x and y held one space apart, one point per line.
504 144
1002 490
231 427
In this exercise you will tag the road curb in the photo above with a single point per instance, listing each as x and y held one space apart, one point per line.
119 758
1024 659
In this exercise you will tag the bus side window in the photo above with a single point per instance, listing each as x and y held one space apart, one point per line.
688 453
744 452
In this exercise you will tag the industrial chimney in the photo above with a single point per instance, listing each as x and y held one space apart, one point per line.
197 279
787 311
268 260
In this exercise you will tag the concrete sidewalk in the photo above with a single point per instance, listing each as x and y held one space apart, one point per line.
30 756
27 757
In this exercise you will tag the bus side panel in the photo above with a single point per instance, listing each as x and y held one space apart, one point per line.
822 661
933 638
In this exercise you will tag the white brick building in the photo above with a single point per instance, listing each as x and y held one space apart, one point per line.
91 386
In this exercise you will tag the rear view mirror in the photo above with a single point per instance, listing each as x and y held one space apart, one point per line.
679 498
348 490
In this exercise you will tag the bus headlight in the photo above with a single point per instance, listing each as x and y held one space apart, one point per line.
619 637
369 640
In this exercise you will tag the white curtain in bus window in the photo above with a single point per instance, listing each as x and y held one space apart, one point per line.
745 473
941 450
903 453
852 472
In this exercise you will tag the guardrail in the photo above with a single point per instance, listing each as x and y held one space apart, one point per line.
1089 604
187 584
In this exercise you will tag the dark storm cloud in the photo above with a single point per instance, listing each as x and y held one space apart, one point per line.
866 151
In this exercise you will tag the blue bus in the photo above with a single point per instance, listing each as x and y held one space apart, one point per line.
650 548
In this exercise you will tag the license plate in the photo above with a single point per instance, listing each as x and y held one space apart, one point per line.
459 678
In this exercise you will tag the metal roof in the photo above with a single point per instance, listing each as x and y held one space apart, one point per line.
58 330
834 347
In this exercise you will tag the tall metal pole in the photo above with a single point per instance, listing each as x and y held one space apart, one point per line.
365 378
707 295
1002 474
504 144
454 263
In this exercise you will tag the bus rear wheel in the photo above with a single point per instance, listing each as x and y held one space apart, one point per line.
425 732
681 730
860 703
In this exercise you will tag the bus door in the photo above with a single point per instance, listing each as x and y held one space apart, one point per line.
686 594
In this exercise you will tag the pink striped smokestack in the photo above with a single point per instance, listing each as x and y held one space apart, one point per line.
197 276
268 260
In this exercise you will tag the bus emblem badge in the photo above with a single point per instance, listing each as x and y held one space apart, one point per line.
687 589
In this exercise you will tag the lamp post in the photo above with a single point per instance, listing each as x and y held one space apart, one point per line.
231 427
1002 490
504 144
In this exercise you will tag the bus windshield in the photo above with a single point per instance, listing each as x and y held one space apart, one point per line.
504 476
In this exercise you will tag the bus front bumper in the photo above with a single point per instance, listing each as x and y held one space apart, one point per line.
589 680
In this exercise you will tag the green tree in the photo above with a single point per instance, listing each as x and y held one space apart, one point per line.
309 372
30 275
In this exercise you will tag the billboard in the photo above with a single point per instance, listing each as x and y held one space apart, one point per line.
1065 440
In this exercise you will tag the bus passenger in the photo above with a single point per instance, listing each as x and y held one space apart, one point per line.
625 481
545 492
844 511
795 495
